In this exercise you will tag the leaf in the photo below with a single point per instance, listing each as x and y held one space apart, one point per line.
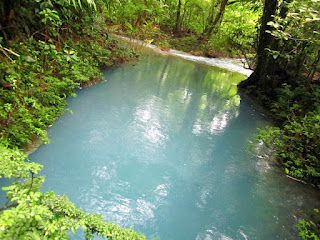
30 59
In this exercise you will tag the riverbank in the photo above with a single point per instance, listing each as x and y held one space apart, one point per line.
40 83
231 64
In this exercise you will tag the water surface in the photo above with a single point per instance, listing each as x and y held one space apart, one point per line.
161 147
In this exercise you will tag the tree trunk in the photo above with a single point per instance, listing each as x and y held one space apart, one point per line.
177 28
314 67
210 18
213 22
6 17
268 74
185 11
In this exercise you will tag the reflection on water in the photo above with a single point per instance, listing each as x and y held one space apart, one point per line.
161 147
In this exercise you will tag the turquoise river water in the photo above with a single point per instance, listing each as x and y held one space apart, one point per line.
161 147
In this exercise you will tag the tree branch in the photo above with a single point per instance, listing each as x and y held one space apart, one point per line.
9 206
31 185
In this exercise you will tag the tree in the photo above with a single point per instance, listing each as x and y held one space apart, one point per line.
214 20
288 46
177 27
266 65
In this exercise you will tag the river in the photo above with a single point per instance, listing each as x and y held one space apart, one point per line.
161 147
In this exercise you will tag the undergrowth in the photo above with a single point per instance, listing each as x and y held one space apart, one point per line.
38 78
296 141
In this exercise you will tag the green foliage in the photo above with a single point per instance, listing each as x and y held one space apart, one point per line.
287 76
50 47
293 57
296 28
154 21
296 143
296 146
134 14
37 74
50 16
237 32
12 164
310 229
32 214
187 44
296 101
50 216
40 79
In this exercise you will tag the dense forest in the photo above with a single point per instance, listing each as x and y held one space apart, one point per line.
50 47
